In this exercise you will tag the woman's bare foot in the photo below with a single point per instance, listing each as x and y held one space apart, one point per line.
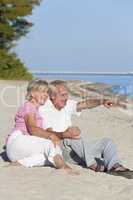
70 171
13 164
60 164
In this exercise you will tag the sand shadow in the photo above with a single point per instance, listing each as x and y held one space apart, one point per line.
3 155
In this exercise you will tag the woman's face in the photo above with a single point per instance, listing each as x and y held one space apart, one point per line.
40 96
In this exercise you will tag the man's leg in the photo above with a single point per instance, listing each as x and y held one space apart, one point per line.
109 153
101 150
90 152
77 151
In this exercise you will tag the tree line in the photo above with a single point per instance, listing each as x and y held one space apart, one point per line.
14 25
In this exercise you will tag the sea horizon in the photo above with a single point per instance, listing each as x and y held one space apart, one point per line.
124 78
80 72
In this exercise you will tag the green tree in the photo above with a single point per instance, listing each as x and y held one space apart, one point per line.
11 68
13 25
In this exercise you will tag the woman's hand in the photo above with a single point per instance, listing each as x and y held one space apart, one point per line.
55 139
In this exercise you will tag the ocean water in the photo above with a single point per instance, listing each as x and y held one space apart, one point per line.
121 84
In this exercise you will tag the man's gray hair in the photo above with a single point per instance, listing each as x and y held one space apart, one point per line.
35 85
54 84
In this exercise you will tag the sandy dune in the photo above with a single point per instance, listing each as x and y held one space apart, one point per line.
47 183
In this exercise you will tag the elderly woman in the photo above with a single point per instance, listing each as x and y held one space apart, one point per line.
29 144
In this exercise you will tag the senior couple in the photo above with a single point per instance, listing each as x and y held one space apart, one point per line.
43 134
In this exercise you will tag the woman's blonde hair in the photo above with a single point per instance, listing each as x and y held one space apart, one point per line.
35 85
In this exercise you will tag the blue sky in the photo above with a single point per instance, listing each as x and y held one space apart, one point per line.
80 35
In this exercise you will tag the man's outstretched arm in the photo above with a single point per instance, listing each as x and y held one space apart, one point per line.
91 103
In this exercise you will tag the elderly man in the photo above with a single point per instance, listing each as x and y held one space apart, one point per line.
100 155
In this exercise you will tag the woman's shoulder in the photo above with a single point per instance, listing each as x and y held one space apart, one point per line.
27 107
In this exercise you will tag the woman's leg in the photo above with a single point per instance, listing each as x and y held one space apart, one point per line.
30 150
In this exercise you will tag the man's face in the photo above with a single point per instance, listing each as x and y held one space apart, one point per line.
60 98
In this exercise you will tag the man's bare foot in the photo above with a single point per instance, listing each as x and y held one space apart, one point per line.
117 167
97 167
119 170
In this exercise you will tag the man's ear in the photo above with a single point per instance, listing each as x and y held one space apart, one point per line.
52 96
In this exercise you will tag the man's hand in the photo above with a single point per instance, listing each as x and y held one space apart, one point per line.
114 103
72 133
108 103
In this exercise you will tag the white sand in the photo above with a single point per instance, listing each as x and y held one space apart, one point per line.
19 183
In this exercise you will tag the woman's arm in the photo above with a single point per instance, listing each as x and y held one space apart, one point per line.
33 129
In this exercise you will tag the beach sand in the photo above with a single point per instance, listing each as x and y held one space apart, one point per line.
45 183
